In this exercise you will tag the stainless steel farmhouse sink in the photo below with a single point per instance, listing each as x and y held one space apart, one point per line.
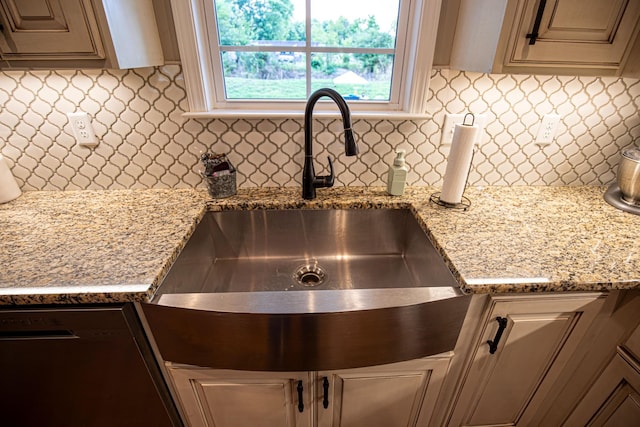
306 289
289 250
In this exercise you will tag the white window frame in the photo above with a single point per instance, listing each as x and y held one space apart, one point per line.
190 17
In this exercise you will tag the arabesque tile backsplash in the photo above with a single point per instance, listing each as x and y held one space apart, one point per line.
146 143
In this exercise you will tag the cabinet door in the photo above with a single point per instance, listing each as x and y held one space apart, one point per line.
632 344
49 29
539 336
614 399
223 398
587 33
396 395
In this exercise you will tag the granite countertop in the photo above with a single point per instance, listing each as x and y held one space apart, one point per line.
116 246
92 246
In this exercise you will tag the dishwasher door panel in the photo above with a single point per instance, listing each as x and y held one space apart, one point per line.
79 367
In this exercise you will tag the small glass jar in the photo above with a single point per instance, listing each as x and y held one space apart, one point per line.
221 184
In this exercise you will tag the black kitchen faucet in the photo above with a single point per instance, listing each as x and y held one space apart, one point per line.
309 179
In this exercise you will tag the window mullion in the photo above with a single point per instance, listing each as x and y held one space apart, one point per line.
216 54
316 49
307 45
399 76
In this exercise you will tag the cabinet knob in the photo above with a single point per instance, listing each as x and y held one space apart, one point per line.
502 325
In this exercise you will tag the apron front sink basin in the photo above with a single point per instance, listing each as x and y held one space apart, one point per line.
305 290
293 250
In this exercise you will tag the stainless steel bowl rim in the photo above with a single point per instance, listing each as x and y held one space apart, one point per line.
632 153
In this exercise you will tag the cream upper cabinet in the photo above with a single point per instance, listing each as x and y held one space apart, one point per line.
78 34
49 28
581 37
522 345
395 395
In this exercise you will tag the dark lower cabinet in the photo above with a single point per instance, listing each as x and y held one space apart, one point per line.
79 366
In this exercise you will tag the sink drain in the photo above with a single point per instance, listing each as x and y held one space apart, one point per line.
310 275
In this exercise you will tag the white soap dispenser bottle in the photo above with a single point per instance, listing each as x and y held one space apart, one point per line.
397 175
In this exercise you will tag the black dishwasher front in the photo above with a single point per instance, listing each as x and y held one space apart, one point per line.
79 366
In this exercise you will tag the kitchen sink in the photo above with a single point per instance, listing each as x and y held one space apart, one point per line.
304 290
292 250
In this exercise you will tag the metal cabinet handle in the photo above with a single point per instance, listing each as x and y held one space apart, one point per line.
325 389
37 335
300 399
502 325
533 35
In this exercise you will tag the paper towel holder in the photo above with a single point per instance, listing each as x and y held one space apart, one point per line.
473 119
465 203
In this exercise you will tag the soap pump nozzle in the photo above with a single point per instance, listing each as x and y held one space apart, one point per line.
397 174
399 160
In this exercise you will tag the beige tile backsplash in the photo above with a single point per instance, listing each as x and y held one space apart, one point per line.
146 143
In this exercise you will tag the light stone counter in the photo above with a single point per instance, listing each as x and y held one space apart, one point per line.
92 246
115 246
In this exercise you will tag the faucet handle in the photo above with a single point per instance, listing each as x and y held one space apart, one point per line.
325 180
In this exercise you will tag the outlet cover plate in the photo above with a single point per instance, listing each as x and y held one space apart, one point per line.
82 129
450 120
548 129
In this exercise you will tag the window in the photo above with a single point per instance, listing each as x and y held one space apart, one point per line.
286 49
244 56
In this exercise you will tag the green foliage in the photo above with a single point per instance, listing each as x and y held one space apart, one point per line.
297 31
343 33
233 28
268 19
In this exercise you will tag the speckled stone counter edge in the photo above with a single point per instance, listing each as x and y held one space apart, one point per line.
415 199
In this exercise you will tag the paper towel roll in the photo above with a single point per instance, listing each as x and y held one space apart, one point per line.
9 189
458 163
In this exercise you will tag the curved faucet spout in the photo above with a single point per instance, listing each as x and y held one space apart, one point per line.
309 179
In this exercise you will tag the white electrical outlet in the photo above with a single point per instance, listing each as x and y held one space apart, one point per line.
450 121
82 129
548 129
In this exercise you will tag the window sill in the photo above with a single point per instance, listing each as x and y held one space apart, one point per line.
299 114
